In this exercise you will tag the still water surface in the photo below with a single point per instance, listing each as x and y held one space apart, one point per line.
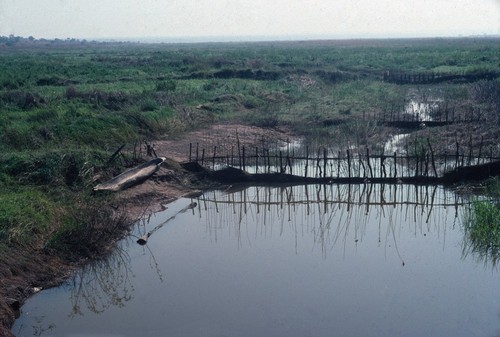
318 260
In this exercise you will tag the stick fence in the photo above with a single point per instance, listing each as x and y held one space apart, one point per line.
421 161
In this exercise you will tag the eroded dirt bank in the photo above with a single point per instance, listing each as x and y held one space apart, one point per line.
27 270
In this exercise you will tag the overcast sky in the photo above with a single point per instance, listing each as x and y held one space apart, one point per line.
91 19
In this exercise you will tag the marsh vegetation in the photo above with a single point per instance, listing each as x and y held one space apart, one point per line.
66 108
482 224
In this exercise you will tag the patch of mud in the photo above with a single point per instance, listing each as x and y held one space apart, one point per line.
22 274
224 137
172 181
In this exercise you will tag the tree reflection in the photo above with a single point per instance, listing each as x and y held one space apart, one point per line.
332 214
102 284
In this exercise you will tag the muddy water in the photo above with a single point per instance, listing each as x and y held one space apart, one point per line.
318 260
416 109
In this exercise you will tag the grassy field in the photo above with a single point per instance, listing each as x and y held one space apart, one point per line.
66 107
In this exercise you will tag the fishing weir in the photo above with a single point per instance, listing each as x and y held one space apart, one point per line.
295 164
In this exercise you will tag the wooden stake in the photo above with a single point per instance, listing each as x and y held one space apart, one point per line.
368 161
307 159
432 157
243 156
213 159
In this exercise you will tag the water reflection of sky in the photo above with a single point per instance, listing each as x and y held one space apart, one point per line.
318 260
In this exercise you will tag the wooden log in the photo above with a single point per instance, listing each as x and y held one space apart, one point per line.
131 177
144 239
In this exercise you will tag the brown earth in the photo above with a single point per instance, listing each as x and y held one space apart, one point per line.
29 269
172 182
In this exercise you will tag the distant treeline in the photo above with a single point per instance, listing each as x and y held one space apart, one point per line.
401 77
12 40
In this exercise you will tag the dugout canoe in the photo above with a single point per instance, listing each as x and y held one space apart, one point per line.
131 177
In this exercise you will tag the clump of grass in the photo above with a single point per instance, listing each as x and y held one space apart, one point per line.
482 225
21 99
88 231
265 120
169 85
149 104
493 189
24 214
54 167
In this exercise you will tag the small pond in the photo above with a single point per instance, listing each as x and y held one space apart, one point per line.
316 260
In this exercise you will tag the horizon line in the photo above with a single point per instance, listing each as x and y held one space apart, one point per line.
258 38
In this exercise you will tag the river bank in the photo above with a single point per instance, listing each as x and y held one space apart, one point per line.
65 129
31 270
28 270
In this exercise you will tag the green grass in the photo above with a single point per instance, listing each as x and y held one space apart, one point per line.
24 214
65 109
482 224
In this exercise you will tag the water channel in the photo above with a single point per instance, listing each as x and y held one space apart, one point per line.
314 260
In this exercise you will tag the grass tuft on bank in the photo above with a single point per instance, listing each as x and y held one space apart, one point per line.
482 224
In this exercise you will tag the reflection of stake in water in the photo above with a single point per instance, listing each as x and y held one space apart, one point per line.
144 239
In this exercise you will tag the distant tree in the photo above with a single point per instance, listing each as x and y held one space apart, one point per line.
12 40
